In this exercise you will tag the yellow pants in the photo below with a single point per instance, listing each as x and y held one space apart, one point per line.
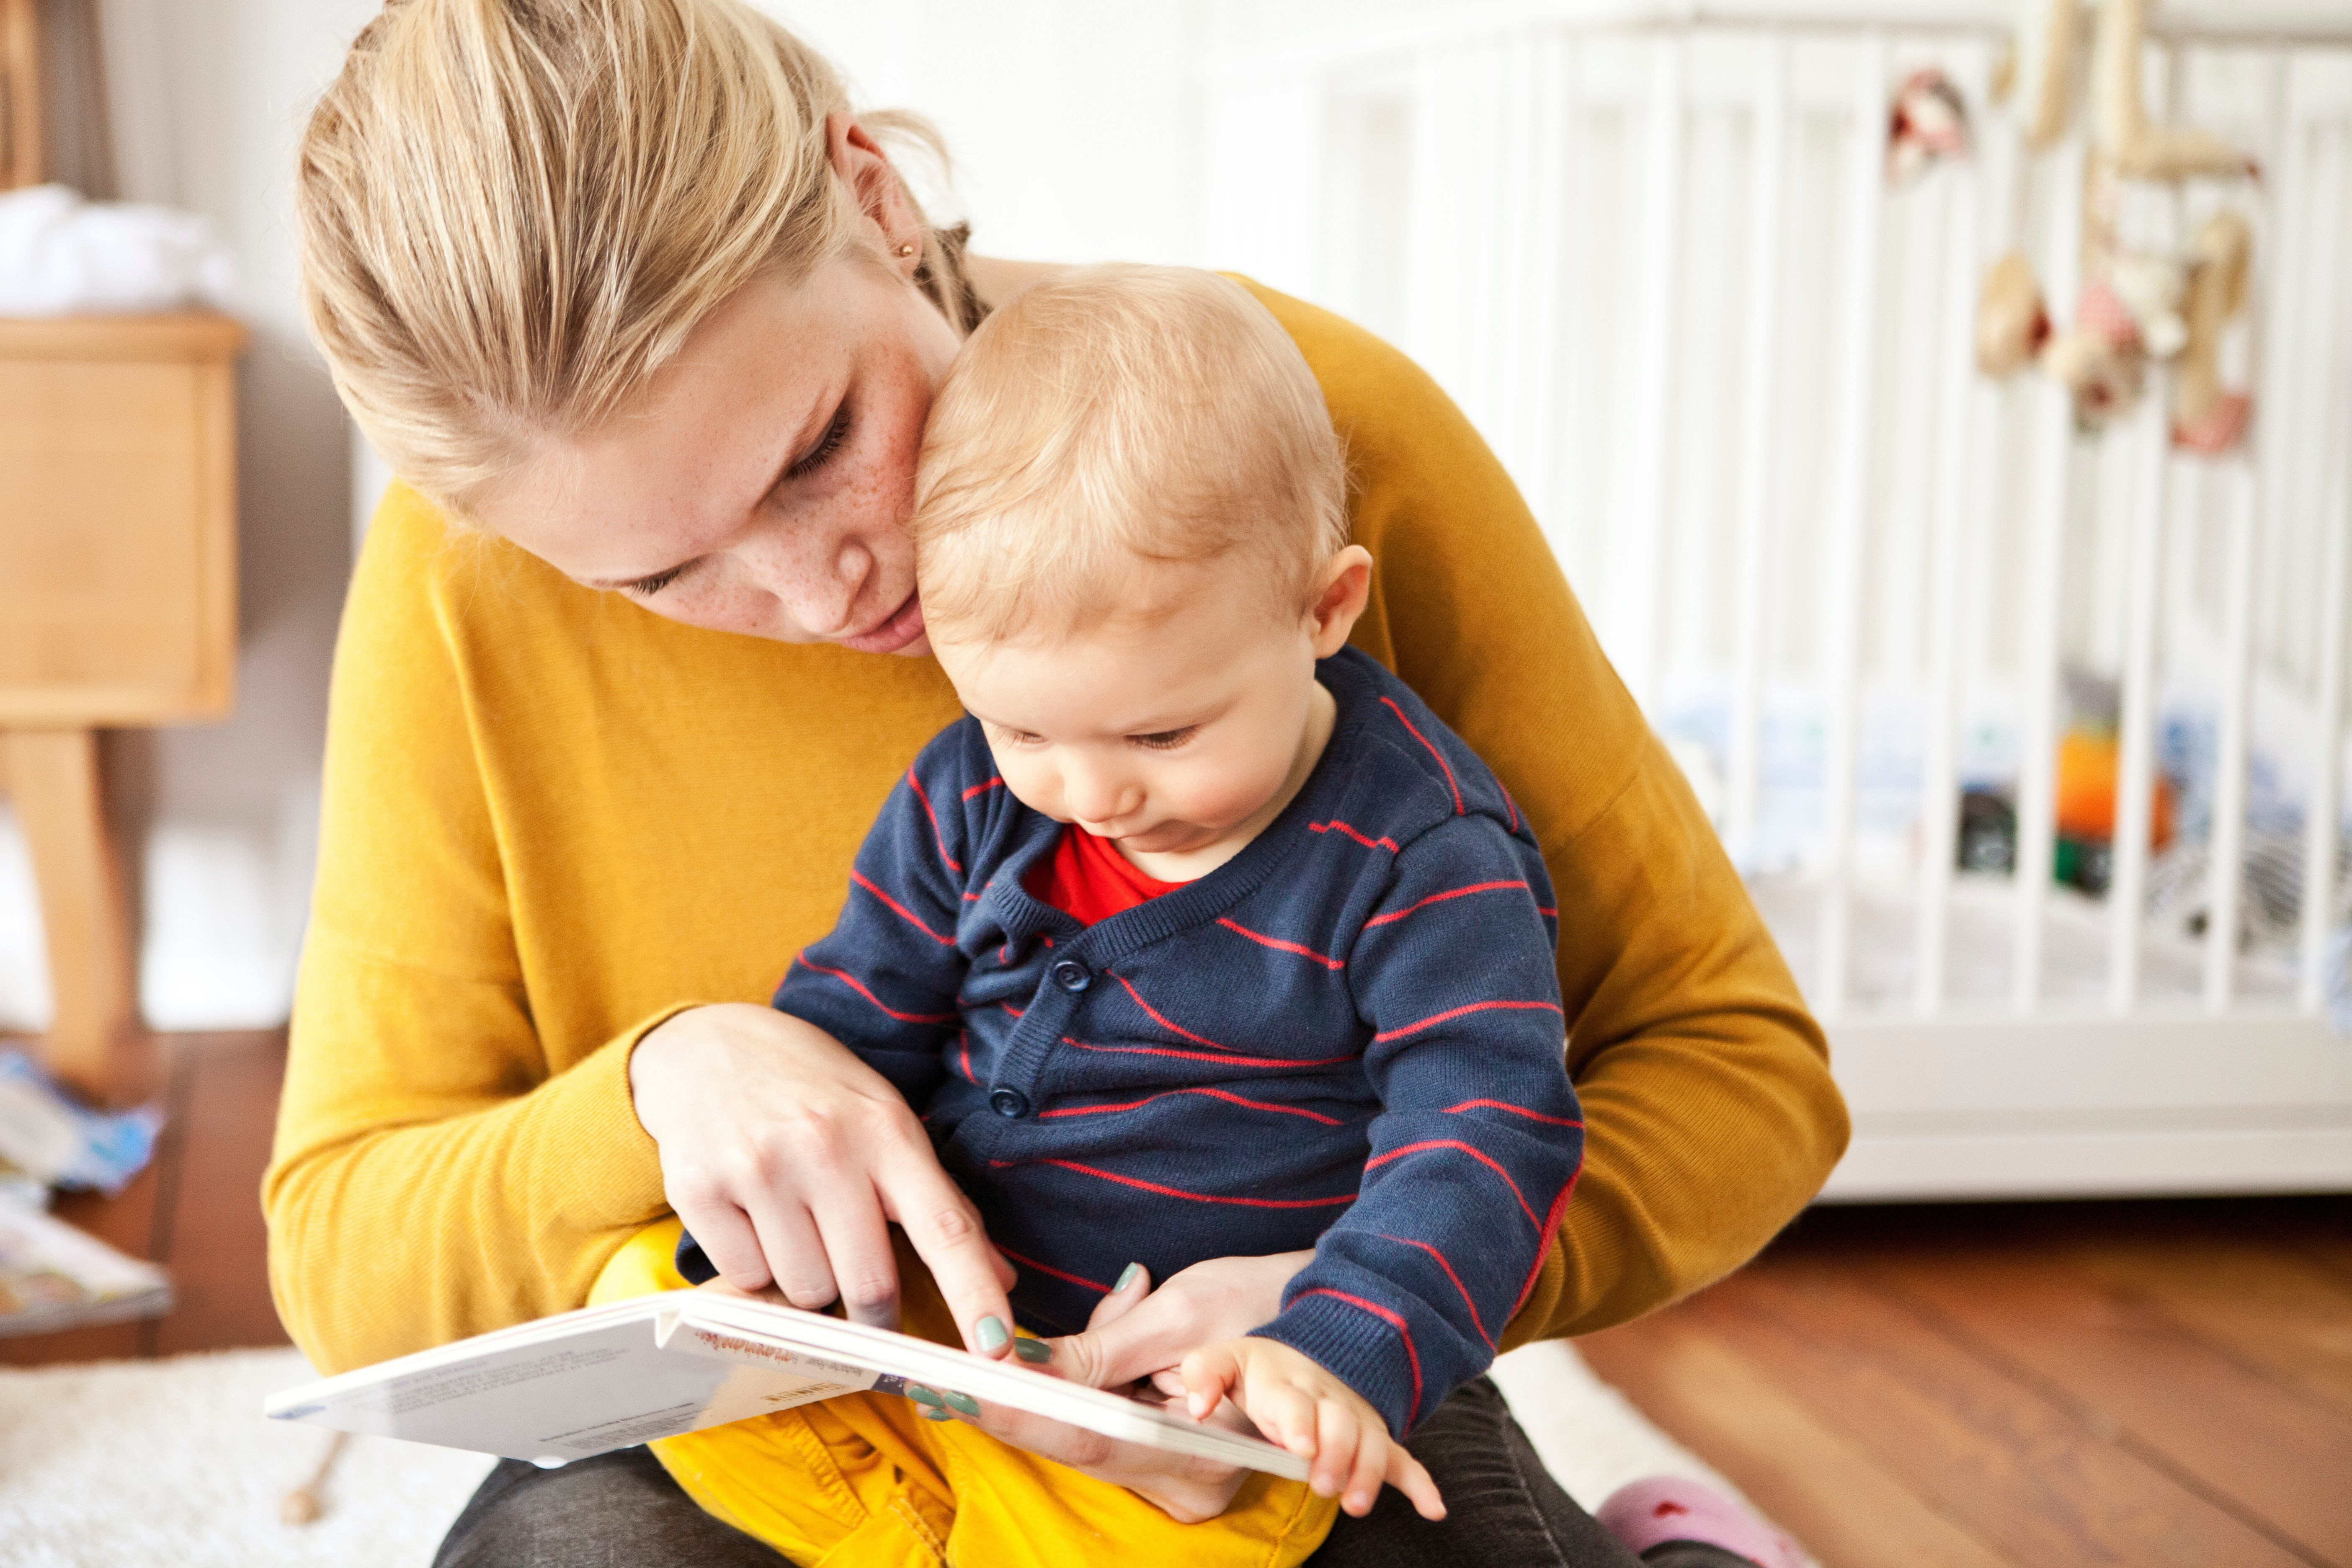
863 1482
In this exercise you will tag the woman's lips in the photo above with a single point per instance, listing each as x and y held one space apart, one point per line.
905 625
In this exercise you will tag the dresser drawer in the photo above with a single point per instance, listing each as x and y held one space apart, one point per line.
118 519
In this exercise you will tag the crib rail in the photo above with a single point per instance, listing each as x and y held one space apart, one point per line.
1652 251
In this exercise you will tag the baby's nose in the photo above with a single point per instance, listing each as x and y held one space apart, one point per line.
1098 798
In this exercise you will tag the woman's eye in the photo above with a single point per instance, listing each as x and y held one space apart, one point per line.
835 436
1166 739
646 587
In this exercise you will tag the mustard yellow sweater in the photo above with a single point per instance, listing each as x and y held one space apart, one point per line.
553 818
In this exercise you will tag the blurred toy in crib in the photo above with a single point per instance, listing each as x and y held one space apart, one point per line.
2138 150
2089 775
2138 306
1927 123
2037 80
2012 323
2205 417
2089 789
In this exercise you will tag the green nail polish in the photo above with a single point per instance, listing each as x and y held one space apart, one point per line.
933 1413
1036 1353
991 1332
1127 1277
921 1396
965 1402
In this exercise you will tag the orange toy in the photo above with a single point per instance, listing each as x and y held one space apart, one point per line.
2089 764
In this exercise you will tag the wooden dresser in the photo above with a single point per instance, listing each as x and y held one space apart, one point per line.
118 607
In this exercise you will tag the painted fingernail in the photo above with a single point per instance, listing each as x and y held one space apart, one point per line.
921 1396
933 1413
991 1332
964 1402
1036 1353
1127 1277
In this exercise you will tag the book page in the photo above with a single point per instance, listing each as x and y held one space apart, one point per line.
574 1389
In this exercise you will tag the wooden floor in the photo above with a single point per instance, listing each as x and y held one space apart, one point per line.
1995 1387
2025 1386
196 1209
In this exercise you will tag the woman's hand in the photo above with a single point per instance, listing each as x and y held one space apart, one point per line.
787 1158
1138 1333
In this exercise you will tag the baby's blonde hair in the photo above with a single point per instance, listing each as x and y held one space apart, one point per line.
1118 415
512 212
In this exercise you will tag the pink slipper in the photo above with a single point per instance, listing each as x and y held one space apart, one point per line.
1660 1509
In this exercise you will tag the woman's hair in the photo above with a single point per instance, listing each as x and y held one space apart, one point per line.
1113 417
513 212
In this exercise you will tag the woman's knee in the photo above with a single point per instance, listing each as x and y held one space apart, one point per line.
620 1506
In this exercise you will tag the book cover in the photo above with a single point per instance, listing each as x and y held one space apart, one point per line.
587 1381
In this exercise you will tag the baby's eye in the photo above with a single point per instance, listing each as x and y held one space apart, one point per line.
1166 739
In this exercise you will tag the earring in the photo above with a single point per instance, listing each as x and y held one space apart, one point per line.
907 248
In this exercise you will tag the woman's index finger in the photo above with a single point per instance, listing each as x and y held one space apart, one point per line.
946 1232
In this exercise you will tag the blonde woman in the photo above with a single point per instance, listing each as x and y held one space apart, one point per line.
641 311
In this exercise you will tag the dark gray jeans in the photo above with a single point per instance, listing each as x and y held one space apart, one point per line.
622 1510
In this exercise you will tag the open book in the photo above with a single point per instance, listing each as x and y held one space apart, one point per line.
607 1377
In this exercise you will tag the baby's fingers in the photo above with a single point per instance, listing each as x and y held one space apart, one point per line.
1285 1413
1347 1458
1209 1375
1405 1474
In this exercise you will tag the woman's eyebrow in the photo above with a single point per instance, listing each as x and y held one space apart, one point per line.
802 444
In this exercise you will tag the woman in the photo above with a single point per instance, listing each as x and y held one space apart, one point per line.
627 290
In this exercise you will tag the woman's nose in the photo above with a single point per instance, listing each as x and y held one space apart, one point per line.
819 583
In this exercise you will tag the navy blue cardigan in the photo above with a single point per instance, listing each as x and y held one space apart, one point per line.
1348 1036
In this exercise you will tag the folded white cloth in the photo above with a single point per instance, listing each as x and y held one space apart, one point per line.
60 254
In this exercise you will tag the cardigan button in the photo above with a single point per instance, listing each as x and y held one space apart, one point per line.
1009 1103
1071 975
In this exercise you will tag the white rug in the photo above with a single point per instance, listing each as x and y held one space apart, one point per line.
146 1464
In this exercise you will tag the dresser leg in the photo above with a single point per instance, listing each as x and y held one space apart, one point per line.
53 776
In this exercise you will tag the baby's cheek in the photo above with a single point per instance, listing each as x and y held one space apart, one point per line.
1227 795
1035 787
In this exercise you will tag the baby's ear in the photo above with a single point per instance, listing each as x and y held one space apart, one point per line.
1346 588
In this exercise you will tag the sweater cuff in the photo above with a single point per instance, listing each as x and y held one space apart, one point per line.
596 1106
1364 1344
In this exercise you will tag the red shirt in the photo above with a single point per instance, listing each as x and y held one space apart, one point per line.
1088 880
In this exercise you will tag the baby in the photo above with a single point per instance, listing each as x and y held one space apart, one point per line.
1200 935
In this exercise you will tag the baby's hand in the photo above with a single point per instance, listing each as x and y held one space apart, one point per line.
1314 1414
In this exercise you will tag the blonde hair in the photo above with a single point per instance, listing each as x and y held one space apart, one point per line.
512 212
1112 415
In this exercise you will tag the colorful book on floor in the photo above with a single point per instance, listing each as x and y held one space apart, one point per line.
54 1276
608 1377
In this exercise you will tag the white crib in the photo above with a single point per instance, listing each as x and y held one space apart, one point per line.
1650 248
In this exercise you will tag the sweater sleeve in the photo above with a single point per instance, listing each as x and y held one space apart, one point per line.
432 1177
1478 1139
883 981
1711 1116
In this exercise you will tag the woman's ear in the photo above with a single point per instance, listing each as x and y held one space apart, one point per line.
865 169
1346 588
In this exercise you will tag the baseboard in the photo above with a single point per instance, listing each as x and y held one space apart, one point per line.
2006 1107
